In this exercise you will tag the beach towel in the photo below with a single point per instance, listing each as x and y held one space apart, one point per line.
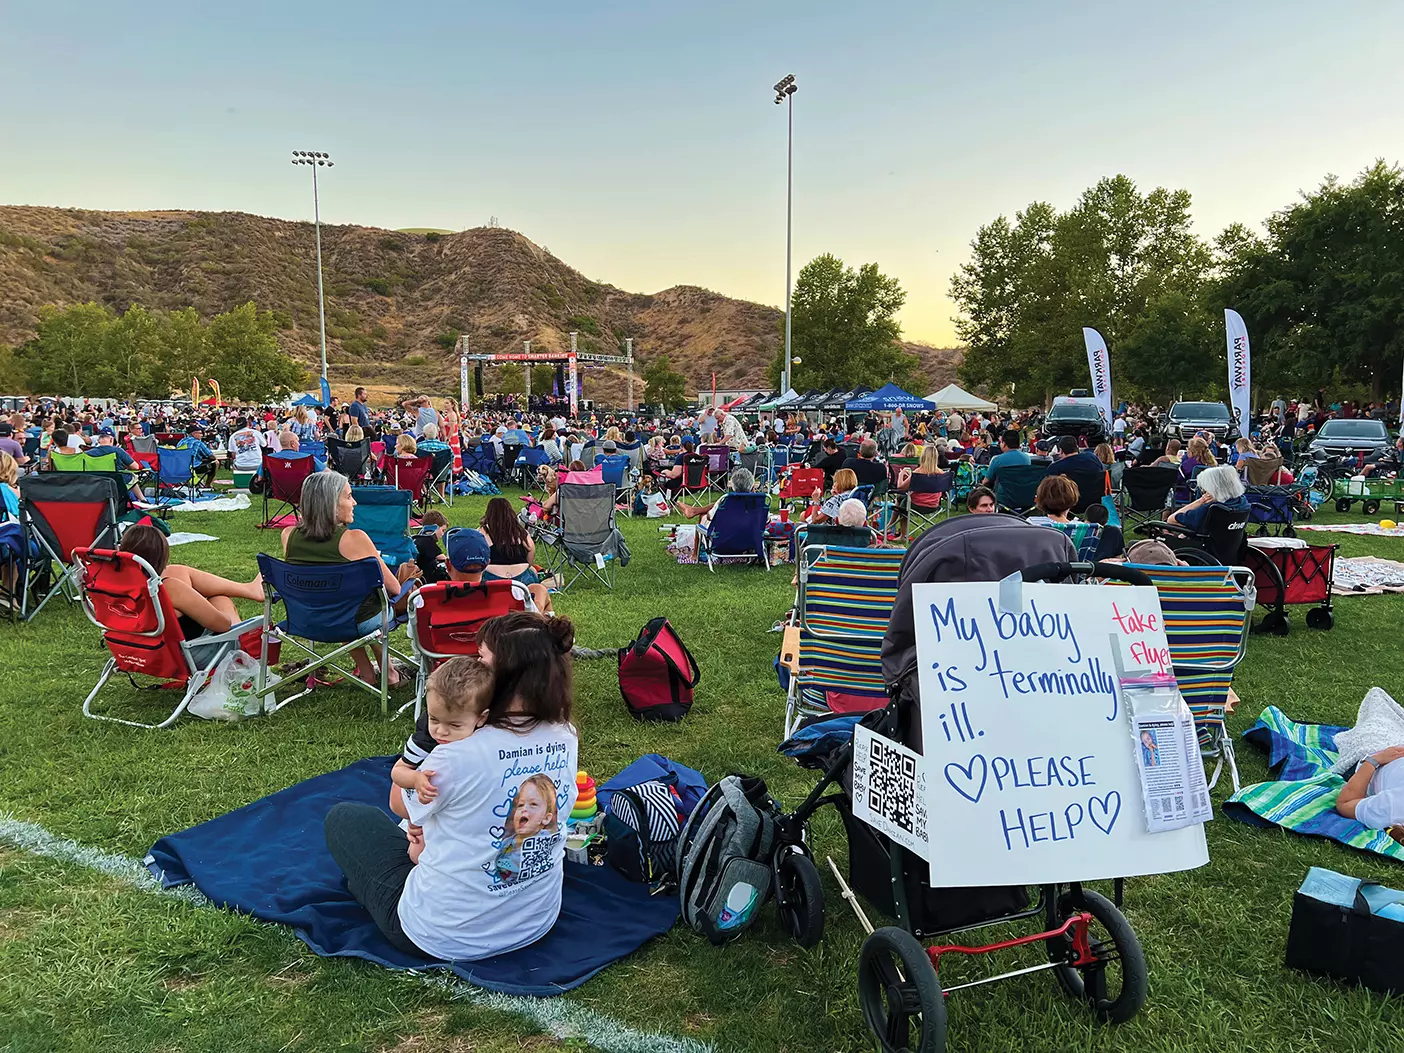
270 859
1366 576
1373 529
1302 798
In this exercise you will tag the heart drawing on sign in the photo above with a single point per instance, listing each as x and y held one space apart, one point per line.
969 780
496 832
1104 810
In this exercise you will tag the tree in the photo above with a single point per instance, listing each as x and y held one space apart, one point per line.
543 377
67 349
1113 261
663 385
14 376
510 379
844 327
1323 293
132 349
244 356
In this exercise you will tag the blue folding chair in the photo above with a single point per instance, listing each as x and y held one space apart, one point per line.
481 457
383 512
615 468
737 530
316 447
176 473
321 602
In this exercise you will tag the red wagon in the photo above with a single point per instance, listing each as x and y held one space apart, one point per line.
1292 572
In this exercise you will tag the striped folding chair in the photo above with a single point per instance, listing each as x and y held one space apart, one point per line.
833 654
1207 613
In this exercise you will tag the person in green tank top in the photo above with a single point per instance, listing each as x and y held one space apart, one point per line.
325 536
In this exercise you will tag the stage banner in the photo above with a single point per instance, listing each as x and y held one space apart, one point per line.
1099 365
1239 369
463 399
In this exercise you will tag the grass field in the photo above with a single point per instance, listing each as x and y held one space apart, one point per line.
90 962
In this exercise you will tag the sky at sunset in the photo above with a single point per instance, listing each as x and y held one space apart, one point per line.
639 142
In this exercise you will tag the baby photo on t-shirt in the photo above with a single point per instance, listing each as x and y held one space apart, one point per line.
529 835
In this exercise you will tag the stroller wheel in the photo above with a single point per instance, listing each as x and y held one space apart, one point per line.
900 993
799 897
1114 987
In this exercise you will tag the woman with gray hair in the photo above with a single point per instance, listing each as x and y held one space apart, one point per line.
1221 486
325 536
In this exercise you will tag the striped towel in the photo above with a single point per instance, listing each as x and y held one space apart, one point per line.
1303 797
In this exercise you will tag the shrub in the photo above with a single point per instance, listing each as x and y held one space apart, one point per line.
432 236
416 360
379 286
583 323
447 340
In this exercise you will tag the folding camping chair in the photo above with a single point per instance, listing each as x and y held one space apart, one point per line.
444 619
61 512
718 465
481 458
316 447
926 507
412 475
1145 492
439 486
833 653
383 512
801 483
529 461
123 596
321 602
737 530
351 459
175 474
1207 611
282 486
1086 537
510 453
587 540
614 468
1091 488
1016 485
757 462
694 478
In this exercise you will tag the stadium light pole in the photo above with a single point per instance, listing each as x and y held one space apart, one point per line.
316 159
785 92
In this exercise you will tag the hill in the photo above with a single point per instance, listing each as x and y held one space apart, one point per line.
395 299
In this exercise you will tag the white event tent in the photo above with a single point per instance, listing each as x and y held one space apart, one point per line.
955 397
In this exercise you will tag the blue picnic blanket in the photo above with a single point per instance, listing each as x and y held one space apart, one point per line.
1303 796
270 859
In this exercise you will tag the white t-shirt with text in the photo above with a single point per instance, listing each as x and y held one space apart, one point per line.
1383 805
246 447
490 878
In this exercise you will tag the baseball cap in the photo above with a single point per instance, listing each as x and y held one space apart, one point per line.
194 427
466 548
610 446
107 431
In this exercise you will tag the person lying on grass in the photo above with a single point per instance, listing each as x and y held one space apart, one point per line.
203 601
1374 795
325 536
490 848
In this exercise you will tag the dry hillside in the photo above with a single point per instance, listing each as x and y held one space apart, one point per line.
393 298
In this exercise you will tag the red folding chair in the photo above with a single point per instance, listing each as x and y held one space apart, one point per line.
801 483
124 597
412 475
282 486
146 452
444 619
61 512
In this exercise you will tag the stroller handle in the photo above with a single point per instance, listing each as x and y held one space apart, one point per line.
1055 572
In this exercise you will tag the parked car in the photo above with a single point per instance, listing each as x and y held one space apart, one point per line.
1349 438
1078 417
1186 419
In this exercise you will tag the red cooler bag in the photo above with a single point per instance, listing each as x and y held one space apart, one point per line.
657 674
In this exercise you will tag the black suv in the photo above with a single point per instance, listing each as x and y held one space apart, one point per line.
1186 419
1076 418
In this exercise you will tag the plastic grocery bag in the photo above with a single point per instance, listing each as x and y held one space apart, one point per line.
228 693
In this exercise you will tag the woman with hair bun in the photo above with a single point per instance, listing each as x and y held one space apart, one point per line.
481 868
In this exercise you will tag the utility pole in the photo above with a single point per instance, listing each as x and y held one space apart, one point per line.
785 92
316 159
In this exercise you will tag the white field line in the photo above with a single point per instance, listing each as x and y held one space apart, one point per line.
553 1016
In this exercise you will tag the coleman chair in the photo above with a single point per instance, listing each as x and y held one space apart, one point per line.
123 596
479 457
614 468
351 459
925 502
444 619
718 465
831 659
587 542
529 461
737 530
1016 485
1207 611
61 512
282 486
1145 492
321 602
693 480
801 483
412 476
439 486
176 477
383 512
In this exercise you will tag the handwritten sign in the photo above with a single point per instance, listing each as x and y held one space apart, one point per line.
1030 764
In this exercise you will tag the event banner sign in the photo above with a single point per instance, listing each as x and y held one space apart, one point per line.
1099 365
1029 764
1239 366
463 380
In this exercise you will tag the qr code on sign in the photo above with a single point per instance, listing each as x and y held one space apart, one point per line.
892 785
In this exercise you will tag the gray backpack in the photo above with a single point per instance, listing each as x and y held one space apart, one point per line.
724 852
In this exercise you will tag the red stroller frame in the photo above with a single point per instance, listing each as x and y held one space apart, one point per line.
899 986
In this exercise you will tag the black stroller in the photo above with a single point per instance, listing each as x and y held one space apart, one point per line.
1092 950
